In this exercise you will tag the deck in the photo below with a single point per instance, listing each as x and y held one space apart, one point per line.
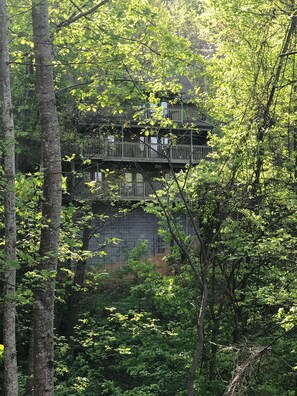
143 152
133 191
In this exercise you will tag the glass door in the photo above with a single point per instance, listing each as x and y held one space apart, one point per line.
139 185
154 147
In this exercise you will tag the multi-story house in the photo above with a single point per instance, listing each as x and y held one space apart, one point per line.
124 161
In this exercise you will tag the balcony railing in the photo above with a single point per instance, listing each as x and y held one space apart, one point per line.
175 114
143 152
132 191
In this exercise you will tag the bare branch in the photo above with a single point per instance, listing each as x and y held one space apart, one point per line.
81 15
243 372
76 6
288 53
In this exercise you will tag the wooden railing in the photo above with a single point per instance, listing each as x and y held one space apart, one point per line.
143 152
175 114
134 191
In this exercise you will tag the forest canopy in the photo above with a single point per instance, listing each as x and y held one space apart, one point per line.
217 315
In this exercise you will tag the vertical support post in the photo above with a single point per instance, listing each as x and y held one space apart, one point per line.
182 112
122 131
170 145
191 142
147 148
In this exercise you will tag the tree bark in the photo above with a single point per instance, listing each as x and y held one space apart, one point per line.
9 314
43 309
197 358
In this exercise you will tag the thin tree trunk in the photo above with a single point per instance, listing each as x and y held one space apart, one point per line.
201 280
197 358
30 368
43 309
266 116
79 279
9 314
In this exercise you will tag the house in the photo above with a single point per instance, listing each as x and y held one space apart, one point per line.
124 160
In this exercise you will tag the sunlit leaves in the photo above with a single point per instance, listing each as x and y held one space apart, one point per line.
119 53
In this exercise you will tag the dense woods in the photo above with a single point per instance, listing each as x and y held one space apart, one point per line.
217 315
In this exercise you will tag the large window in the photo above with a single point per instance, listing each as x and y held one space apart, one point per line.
98 177
139 185
165 109
128 185
133 185
154 146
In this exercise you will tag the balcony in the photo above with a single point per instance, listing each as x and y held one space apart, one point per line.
175 114
144 152
102 191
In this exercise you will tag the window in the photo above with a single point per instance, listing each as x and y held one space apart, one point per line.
128 185
164 141
111 145
128 177
98 177
154 146
165 109
87 176
139 190
139 178
142 143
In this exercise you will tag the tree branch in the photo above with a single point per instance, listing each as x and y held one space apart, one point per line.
81 15
288 53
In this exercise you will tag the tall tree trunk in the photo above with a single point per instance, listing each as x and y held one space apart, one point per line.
43 309
9 314
197 358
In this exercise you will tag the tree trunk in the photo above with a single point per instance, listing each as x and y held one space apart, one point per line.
29 391
197 358
44 293
9 314
75 295
266 115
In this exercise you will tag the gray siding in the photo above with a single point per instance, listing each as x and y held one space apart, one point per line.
135 226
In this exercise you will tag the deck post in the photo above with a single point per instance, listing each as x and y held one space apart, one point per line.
191 140
170 145
122 132
182 112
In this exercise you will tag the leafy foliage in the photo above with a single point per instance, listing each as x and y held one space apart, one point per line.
136 330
